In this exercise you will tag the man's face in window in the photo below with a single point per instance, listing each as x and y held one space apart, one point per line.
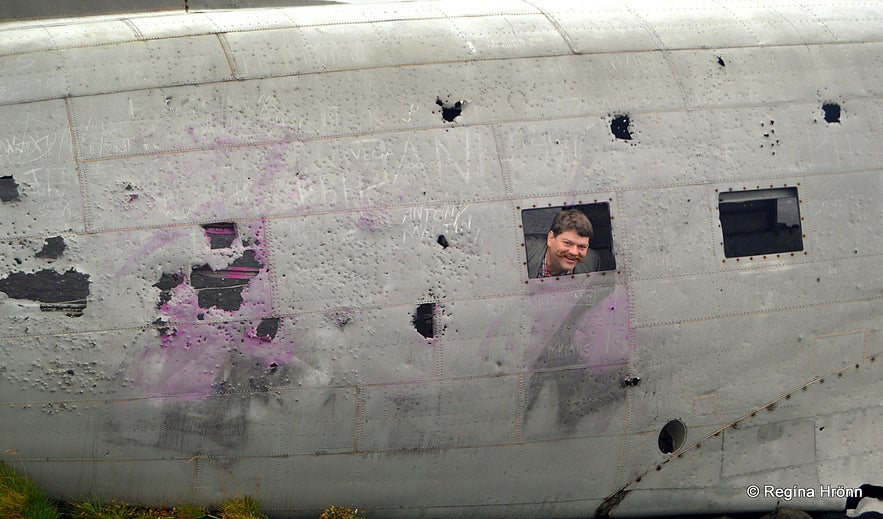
565 251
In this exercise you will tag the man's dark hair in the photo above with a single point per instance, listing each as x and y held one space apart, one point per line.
572 220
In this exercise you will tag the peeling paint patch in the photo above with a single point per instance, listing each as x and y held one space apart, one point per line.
8 189
223 288
59 292
165 285
619 126
220 235
53 248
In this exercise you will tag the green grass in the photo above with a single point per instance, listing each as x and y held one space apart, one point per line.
241 508
21 499
337 512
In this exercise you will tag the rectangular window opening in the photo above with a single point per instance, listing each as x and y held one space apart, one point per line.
759 222
550 255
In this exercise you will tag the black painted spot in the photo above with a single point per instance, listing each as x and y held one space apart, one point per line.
450 111
266 330
720 61
220 235
443 241
53 248
8 189
424 320
59 292
832 112
620 127
165 285
223 288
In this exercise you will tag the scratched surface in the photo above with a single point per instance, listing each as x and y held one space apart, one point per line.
279 253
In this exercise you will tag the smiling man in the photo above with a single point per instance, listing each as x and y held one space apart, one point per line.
566 249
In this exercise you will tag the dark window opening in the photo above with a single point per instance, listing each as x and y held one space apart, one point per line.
764 221
537 224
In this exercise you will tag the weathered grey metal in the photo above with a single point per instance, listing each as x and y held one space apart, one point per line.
279 252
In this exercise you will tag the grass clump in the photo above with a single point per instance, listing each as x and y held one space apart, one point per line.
21 499
99 510
241 508
339 512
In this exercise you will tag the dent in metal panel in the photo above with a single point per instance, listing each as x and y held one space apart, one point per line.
767 447
439 414
52 374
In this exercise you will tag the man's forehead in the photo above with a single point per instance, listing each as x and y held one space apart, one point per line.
572 236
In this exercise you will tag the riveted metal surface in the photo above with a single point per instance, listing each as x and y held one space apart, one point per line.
35 151
173 478
242 424
842 214
660 220
346 245
486 337
157 26
300 275
456 167
109 68
33 38
439 414
742 291
393 43
349 346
